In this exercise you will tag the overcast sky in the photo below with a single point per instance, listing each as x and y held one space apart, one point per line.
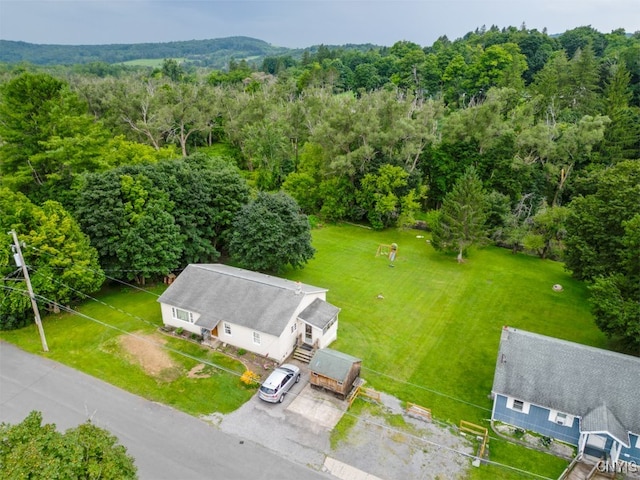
298 23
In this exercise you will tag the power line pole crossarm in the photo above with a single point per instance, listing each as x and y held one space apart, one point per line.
25 271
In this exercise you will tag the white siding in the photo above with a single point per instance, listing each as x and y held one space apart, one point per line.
168 319
330 335
242 337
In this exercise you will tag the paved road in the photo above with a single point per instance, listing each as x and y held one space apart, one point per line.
166 444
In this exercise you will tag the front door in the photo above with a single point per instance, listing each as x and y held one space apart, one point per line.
308 334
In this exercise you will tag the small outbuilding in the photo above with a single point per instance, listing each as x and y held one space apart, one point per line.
334 371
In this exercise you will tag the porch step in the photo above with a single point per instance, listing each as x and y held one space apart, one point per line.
303 354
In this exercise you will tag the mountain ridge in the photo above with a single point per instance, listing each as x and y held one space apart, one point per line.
214 53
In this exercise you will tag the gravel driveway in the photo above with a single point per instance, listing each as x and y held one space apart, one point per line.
300 428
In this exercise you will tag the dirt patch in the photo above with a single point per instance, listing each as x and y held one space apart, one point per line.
148 352
198 372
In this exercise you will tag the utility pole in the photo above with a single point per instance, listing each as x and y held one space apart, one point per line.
34 304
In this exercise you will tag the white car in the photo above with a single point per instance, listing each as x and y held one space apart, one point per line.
279 383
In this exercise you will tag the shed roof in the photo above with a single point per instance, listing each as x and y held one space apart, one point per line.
251 299
600 386
332 364
318 313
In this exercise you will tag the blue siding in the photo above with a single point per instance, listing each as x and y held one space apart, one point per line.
631 454
537 420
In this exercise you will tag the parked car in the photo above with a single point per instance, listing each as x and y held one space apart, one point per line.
279 383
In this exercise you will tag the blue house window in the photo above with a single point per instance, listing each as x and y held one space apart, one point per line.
560 418
518 405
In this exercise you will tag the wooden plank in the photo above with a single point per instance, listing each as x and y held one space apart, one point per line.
421 412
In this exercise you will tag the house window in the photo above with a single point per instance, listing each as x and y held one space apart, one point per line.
560 418
183 315
256 338
294 327
227 328
638 442
329 325
518 405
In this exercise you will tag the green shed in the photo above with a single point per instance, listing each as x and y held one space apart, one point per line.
334 371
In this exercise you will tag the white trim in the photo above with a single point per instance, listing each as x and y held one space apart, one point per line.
175 312
638 442
525 405
560 418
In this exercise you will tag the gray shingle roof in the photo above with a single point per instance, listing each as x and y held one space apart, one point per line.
318 313
250 299
332 364
601 419
600 386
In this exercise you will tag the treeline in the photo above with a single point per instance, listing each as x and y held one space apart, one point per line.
215 53
550 127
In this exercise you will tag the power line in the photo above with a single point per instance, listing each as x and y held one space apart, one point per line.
358 417
421 387
450 397
102 271
113 307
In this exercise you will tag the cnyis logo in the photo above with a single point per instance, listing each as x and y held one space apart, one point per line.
618 467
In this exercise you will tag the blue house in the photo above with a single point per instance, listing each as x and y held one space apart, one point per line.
580 395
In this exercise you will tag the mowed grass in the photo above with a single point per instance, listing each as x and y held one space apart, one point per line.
90 342
150 62
432 339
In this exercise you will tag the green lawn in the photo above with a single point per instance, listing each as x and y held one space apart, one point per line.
94 348
150 62
431 340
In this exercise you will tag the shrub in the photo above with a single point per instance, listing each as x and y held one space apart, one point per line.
241 351
250 378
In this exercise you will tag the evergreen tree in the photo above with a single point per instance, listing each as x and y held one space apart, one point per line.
461 221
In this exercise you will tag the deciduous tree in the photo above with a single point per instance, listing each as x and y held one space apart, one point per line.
31 449
270 234
63 264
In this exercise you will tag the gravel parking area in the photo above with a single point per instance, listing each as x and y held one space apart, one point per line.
300 428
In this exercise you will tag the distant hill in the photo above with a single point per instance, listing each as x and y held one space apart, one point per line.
215 53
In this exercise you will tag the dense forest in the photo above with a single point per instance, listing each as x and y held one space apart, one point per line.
509 136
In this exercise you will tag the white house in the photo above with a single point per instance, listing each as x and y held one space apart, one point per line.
260 313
